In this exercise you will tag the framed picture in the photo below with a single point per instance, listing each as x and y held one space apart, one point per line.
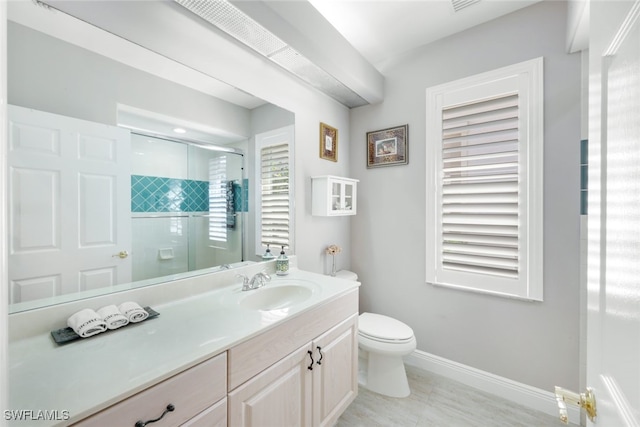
388 147
328 142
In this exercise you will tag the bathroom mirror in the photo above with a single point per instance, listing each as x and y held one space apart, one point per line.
169 239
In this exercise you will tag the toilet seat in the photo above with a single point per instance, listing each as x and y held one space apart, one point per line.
384 329
383 340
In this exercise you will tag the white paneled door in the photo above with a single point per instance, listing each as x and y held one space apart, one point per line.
69 205
613 308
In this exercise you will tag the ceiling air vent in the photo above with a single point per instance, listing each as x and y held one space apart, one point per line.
458 5
243 28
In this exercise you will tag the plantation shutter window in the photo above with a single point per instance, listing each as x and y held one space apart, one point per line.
484 183
274 190
480 187
218 199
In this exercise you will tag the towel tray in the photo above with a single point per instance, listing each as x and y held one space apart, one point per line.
66 335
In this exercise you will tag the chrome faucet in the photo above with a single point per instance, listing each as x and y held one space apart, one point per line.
257 281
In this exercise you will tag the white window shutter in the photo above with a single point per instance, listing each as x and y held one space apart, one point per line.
479 187
218 199
274 190
484 187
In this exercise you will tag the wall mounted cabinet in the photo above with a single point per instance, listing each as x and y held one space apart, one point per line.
333 196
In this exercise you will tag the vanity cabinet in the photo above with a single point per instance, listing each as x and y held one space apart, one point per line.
309 385
333 195
198 396
300 372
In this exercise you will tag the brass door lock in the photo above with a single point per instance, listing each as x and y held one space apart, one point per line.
586 400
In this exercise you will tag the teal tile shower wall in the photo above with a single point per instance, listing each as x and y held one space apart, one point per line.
158 194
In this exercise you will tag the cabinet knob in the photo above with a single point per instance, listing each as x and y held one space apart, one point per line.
170 408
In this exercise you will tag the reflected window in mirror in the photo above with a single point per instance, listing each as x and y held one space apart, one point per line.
274 173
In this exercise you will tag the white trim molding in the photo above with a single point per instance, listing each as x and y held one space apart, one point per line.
522 394
4 286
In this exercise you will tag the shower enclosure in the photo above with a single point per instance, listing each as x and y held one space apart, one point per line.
186 205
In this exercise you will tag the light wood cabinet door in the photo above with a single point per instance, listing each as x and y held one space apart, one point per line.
278 397
335 373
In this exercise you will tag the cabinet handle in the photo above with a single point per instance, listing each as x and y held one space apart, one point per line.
310 367
170 408
319 362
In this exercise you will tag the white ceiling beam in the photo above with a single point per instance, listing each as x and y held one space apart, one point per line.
302 27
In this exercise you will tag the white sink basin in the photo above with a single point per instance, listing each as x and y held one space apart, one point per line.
276 297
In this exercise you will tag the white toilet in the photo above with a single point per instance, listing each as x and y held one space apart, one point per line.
382 341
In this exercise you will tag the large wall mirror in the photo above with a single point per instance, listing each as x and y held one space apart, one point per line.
174 204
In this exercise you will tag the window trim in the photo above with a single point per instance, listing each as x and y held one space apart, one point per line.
529 77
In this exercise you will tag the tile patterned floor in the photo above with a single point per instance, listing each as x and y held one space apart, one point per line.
436 401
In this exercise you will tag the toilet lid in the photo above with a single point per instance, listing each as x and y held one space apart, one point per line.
383 327
346 274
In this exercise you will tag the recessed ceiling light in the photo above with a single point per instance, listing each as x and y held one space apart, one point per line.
179 130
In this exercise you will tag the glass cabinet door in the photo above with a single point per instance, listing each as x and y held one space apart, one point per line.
348 196
336 196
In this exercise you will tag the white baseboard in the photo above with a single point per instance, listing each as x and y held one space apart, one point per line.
531 397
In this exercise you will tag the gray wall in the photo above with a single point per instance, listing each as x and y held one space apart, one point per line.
536 343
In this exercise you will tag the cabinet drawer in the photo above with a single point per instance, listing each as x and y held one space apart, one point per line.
255 355
191 392
215 416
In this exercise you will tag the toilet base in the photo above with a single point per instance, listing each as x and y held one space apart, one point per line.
383 374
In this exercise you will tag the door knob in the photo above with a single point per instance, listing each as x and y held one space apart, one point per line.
121 255
586 400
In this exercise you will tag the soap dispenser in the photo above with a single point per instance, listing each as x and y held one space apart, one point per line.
268 256
282 264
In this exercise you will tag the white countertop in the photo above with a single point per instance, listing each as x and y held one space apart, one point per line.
88 375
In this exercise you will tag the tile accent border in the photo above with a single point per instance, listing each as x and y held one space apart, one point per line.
523 394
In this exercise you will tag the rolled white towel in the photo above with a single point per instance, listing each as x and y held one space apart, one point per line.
133 311
86 323
112 316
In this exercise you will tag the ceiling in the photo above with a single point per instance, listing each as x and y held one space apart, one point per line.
382 30
351 40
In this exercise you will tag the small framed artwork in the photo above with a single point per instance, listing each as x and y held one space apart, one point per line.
328 142
388 147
